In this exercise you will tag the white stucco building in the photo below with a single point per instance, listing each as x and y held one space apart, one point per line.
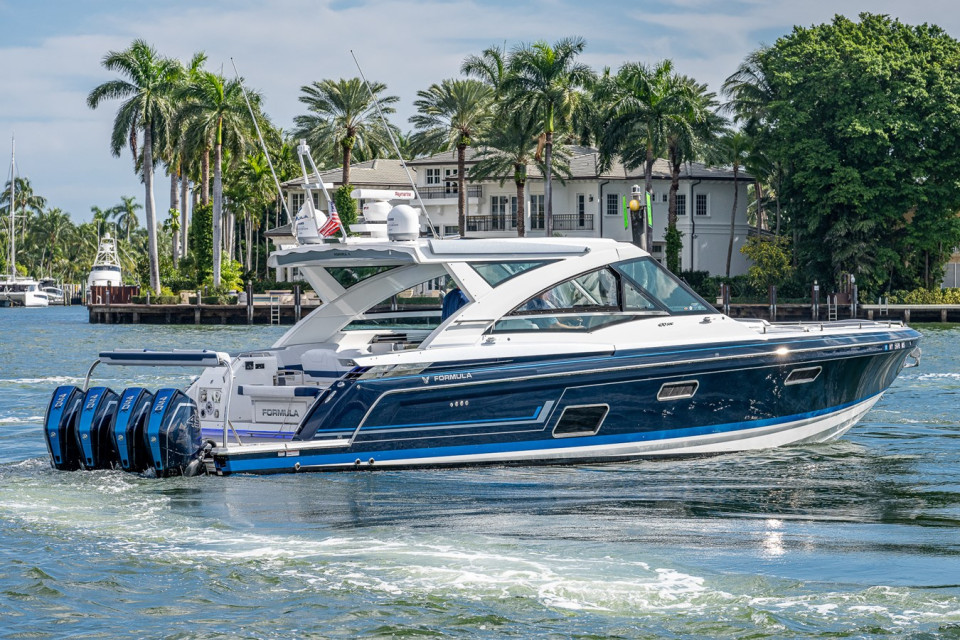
588 203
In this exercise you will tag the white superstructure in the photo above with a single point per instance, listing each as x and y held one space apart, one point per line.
106 266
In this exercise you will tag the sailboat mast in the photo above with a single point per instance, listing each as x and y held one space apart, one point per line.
13 209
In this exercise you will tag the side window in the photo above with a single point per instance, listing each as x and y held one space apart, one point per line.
634 300
597 289
659 284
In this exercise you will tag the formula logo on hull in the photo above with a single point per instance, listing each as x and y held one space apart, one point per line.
447 377
279 413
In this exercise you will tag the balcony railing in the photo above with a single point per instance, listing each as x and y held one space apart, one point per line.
573 222
561 222
436 193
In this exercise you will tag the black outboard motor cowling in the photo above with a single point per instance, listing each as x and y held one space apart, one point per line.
94 426
59 425
174 442
128 429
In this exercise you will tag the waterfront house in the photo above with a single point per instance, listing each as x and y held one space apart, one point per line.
588 203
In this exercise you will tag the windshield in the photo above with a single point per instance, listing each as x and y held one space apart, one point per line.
598 298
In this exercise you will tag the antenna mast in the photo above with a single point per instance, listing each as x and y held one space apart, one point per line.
13 209
262 144
396 148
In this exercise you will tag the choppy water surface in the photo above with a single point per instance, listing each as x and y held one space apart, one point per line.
856 538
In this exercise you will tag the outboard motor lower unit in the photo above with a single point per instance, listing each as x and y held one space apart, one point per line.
173 435
94 426
128 429
59 427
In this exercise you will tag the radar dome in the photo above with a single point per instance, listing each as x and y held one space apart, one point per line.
403 223
376 211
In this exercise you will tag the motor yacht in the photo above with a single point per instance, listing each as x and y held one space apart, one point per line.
559 351
22 292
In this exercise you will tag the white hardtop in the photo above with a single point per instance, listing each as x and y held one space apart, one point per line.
355 252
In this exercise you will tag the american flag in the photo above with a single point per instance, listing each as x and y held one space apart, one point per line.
332 224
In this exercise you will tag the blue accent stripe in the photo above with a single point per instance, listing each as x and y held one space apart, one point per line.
536 413
267 464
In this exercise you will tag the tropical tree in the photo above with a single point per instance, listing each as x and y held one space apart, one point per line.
28 204
489 67
343 119
147 111
216 115
732 149
507 150
451 114
863 120
548 81
125 214
645 104
688 136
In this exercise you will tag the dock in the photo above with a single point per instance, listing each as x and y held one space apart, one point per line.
287 314
223 314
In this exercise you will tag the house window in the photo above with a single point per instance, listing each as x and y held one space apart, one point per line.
450 181
581 209
613 204
498 210
681 204
433 177
451 230
297 199
513 212
665 198
536 212
701 204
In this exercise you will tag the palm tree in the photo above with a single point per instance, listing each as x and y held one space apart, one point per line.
645 102
216 115
749 96
548 82
489 67
147 111
450 115
343 117
732 149
687 138
27 205
125 214
256 185
507 150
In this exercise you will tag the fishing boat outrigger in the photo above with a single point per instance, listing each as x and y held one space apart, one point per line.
566 350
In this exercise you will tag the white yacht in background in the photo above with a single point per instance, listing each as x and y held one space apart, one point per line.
22 292
16 290
106 266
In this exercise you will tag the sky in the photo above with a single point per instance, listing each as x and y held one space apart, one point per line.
51 53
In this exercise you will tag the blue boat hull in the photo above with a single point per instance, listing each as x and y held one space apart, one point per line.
616 406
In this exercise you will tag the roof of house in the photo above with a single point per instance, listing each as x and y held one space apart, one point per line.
583 161
381 172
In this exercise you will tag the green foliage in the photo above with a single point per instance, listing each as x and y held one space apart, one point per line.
231 273
771 262
926 296
863 117
346 206
674 244
200 240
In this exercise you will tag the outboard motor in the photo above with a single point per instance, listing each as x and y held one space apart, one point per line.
127 433
93 428
174 443
59 427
